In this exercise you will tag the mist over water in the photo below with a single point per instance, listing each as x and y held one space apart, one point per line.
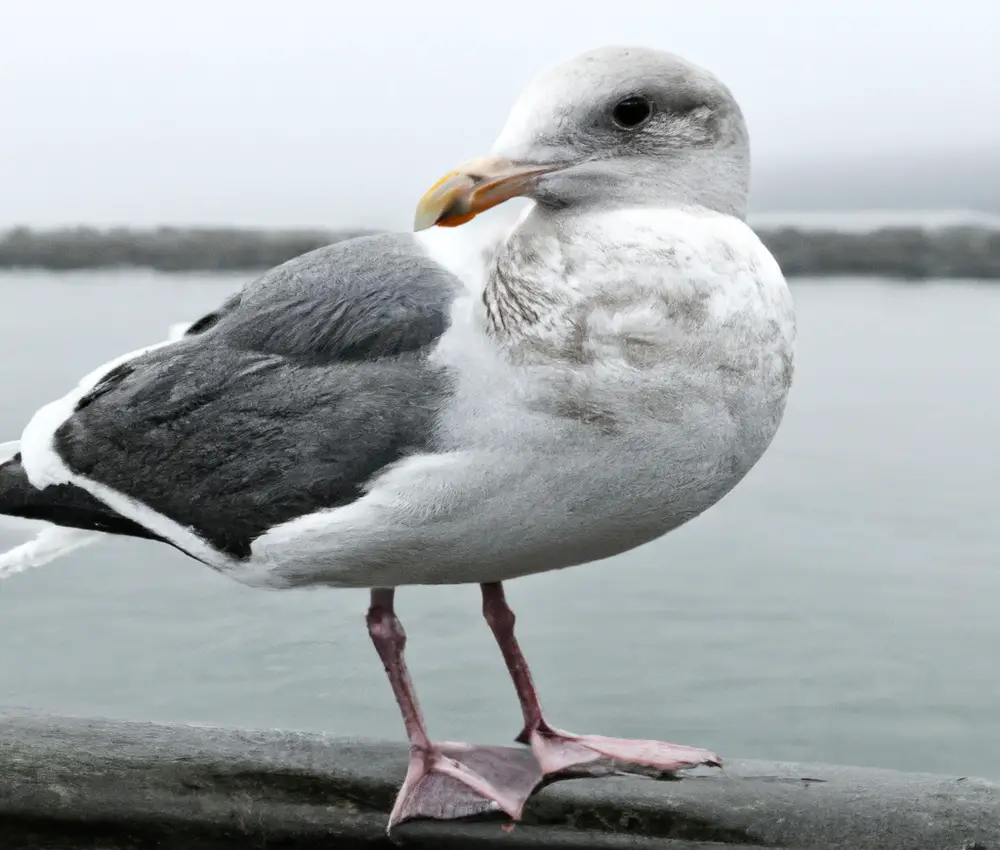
310 113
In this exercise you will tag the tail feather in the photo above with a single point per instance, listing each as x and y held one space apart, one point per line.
8 451
49 544
73 517
60 504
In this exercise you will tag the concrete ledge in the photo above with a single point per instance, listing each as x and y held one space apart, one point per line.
111 785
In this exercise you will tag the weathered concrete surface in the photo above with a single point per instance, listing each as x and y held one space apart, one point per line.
109 785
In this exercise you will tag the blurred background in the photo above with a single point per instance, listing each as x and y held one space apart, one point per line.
242 112
839 606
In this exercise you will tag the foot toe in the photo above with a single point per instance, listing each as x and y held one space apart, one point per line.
458 780
564 752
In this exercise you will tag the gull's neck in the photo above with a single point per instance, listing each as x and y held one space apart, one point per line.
555 264
717 183
526 280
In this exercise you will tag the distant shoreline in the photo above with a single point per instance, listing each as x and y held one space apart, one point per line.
900 252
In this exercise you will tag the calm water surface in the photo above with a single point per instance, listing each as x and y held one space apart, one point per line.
841 605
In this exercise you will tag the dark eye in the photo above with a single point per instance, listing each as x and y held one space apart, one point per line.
632 112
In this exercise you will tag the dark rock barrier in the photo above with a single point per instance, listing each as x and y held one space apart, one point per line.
910 253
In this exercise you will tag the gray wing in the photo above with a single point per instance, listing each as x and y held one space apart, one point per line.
286 400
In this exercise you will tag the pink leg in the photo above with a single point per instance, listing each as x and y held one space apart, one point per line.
558 751
446 780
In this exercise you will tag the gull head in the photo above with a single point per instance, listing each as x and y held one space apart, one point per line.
614 127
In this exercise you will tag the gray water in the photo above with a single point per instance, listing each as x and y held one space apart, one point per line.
841 605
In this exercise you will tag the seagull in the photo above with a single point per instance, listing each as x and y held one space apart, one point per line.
362 417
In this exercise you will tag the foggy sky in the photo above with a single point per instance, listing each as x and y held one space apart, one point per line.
294 113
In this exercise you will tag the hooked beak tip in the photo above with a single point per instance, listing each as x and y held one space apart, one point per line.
475 187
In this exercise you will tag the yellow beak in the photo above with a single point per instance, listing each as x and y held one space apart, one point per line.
475 187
